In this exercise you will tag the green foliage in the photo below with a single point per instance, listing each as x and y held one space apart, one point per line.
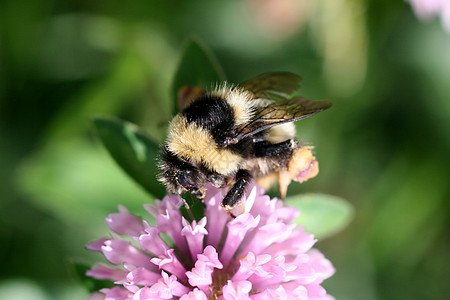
132 151
323 215
409 212
198 67
76 190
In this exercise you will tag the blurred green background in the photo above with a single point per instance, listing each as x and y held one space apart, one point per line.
383 146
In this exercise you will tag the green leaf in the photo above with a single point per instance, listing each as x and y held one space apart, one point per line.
196 208
133 151
323 215
197 67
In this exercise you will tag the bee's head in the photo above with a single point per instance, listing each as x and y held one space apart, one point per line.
178 175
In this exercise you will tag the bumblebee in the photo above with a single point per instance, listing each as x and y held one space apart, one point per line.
233 134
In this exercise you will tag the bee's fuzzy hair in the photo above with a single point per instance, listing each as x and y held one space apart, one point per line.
170 165
166 175
240 101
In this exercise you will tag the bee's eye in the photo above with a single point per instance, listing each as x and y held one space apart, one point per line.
183 181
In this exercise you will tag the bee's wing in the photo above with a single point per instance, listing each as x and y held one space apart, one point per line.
277 113
273 86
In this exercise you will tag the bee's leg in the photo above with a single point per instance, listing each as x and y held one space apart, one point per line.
236 192
278 157
290 160
284 179
280 152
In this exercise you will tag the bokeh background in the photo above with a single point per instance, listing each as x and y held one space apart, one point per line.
383 146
